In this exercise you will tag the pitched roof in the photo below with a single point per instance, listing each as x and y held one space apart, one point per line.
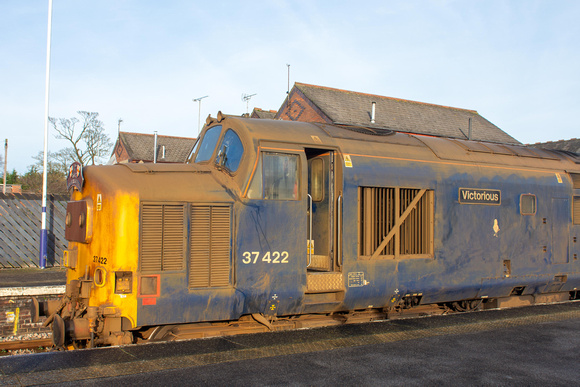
140 146
353 108
259 113
572 145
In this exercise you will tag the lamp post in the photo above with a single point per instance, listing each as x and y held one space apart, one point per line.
43 230
5 164
199 113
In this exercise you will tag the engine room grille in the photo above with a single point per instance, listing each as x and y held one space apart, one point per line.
210 247
162 237
575 180
395 223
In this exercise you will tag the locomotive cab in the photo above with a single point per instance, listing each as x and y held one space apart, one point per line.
290 192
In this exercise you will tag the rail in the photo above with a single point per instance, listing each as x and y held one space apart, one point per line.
24 344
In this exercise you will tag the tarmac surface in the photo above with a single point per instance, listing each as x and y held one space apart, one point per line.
527 346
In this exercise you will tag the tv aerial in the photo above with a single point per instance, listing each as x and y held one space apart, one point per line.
246 98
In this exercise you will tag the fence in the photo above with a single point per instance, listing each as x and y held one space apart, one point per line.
20 222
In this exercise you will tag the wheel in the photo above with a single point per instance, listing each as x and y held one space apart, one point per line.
58 330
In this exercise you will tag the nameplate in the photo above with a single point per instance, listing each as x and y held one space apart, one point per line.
479 196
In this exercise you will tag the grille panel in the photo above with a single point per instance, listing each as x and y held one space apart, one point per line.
395 223
162 237
210 260
575 180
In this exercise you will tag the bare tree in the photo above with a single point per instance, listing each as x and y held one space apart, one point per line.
32 180
87 136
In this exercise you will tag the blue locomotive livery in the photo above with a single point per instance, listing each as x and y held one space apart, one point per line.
277 225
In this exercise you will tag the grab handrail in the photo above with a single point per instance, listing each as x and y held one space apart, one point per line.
339 231
310 231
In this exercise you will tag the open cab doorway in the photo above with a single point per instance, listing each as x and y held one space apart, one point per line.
325 284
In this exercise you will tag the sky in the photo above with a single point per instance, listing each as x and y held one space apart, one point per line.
516 62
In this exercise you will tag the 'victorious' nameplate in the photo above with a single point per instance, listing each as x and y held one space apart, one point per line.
479 196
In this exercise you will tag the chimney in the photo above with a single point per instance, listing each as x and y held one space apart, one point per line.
469 132
373 111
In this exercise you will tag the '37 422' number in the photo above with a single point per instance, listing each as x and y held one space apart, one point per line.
252 257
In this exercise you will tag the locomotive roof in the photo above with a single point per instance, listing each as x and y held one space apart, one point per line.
380 142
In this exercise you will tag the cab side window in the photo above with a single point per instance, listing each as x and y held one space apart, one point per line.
276 177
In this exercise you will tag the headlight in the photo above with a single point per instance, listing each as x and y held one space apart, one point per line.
123 282
149 286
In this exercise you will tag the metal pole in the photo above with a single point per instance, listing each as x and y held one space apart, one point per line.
5 164
44 231
155 148
288 92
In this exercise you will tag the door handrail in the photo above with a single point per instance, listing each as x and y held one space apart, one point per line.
339 231
310 231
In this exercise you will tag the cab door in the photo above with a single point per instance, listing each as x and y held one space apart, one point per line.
325 288
322 211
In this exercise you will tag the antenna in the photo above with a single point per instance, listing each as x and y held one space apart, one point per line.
199 113
246 98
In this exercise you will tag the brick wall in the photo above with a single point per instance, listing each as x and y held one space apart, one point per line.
16 315
301 108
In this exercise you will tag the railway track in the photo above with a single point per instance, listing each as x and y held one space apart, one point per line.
25 344
249 325
243 326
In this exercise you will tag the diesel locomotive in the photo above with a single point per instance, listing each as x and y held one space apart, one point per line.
275 224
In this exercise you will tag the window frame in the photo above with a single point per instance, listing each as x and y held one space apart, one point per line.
535 205
210 158
218 148
319 197
257 180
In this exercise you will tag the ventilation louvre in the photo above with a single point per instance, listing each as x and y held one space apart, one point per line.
162 237
210 247
395 223
575 180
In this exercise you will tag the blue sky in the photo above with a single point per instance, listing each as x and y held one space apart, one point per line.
515 62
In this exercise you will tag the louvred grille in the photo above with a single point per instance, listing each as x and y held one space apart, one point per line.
210 261
162 237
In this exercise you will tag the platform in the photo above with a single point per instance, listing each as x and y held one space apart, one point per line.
535 345
32 281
